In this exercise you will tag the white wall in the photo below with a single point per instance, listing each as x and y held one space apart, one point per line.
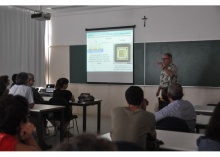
58 63
167 23
174 23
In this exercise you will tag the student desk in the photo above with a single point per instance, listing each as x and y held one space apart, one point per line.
40 110
204 113
180 141
46 98
204 109
201 122
84 105
90 103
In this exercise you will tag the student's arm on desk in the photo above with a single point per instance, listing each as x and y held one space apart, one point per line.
163 113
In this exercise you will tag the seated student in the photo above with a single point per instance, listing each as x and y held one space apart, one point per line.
211 140
132 123
15 131
2 88
162 101
6 80
38 99
87 142
178 107
13 78
62 92
21 88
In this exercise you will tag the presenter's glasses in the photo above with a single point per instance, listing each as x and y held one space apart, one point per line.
165 58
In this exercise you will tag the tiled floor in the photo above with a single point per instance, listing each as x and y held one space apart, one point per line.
90 128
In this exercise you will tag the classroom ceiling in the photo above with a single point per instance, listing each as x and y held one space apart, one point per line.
57 9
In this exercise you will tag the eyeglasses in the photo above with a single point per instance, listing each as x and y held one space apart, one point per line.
165 58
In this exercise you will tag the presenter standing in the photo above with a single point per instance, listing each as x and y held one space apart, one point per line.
168 73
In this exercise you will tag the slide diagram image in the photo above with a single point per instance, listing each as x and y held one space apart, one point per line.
122 53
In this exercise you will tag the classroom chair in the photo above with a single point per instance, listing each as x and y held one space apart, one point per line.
67 113
172 124
127 146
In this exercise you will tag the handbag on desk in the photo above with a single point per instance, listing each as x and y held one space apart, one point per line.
85 97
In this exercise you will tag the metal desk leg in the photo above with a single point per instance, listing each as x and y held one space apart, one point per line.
40 125
62 126
98 117
84 118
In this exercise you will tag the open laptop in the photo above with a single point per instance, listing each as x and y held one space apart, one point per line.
49 90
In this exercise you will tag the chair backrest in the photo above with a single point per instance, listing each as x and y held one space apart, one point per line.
58 101
172 124
127 146
61 102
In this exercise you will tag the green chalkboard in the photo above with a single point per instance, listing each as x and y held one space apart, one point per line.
198 62
78 64
139 63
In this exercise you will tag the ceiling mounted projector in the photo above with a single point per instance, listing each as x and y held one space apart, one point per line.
40 16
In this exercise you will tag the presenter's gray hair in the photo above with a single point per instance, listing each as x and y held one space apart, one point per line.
169 55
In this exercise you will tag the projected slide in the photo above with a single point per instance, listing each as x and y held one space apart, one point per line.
110 56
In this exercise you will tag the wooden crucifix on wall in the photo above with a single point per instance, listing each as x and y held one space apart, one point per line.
144 18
